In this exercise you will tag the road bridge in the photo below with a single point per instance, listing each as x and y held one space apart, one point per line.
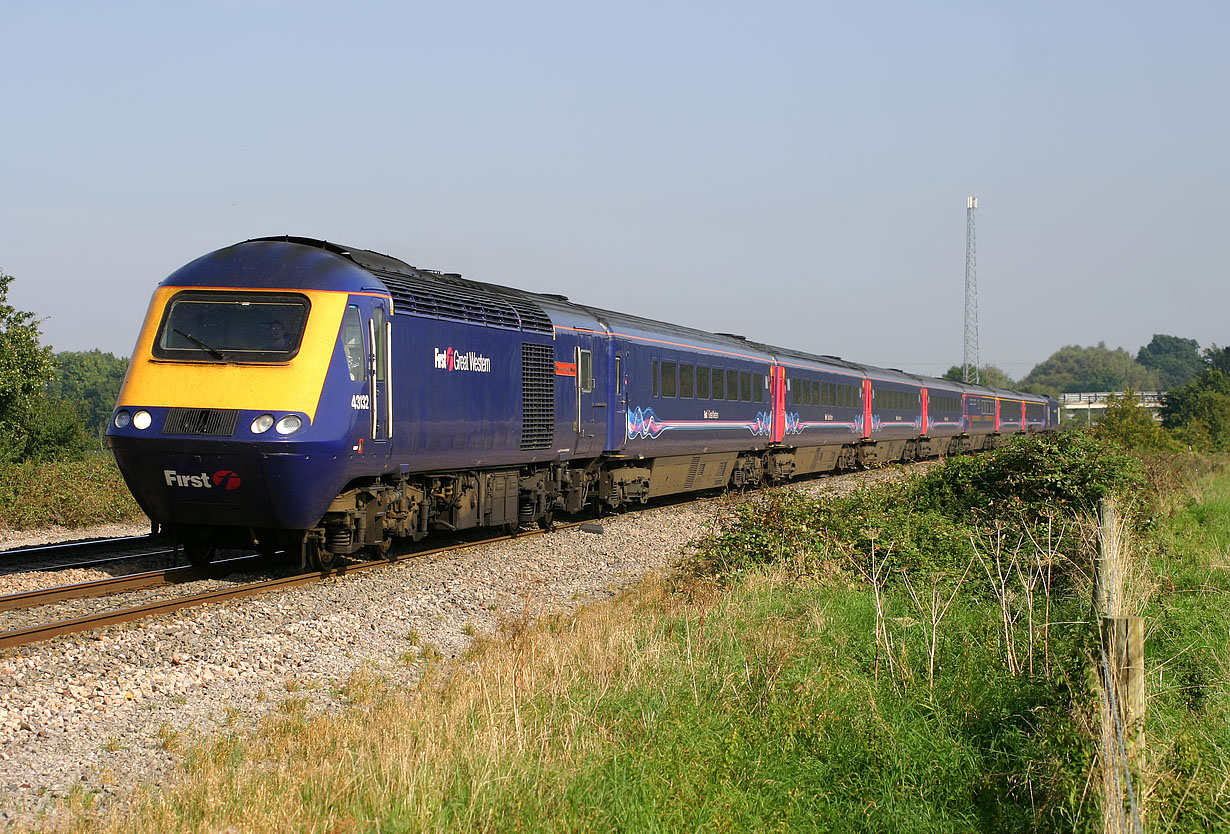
1087 408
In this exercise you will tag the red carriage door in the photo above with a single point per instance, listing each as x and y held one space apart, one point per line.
923 398
866 408
777 400
997 415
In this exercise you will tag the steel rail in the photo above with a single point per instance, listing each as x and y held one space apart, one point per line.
112 585
125 557
39 548
89 622
77 555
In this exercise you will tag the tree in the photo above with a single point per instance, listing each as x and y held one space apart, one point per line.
32 424
1132 426
1075 368
988 375
25 366
1218 358
1176 361
91 379
1199 412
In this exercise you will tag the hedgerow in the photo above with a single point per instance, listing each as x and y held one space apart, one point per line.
76 493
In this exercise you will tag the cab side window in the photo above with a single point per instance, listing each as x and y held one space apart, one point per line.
352 343
380 344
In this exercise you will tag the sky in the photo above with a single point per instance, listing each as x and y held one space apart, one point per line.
795 172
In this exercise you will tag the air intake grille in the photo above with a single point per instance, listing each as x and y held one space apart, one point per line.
446 296
537 396
215 421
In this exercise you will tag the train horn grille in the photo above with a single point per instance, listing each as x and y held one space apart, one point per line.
215 421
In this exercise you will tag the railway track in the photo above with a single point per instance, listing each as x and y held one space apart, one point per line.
150 580
33 600
85 554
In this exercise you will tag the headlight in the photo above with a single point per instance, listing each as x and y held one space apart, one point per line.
262 424
289 424
122 419
142 419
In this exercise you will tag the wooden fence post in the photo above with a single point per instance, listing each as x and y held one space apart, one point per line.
1124 641
1123 681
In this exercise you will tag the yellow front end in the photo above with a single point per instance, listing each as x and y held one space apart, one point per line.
281 386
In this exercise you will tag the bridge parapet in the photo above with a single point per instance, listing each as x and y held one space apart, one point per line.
1088 407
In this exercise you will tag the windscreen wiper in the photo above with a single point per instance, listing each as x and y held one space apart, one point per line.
212 350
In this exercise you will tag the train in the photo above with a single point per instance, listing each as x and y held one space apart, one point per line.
287 393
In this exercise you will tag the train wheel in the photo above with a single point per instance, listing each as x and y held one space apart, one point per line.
198 554
381 550
320 558
547 521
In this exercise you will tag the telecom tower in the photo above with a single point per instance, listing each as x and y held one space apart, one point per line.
969 370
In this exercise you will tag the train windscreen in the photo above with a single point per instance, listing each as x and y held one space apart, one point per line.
199 326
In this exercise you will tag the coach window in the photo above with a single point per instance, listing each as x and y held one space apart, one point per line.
702 382
719 390
687 381
732 385
745 386
759 384
669 379
352 344
585 370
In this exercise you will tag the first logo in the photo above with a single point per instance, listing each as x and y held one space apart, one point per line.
223 479
227 479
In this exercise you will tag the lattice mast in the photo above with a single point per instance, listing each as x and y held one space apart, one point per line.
969 368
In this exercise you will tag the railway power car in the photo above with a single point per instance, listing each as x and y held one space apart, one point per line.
290 393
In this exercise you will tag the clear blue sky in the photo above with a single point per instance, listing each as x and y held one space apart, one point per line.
796 172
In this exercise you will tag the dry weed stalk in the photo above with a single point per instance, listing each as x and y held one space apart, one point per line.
1016 581
1005 565
877 575
934 613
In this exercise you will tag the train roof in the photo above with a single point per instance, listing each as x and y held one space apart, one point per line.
428 292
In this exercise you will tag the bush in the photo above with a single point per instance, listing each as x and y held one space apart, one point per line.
66 493
1032 477
925 525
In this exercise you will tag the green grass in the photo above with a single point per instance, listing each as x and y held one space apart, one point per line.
1188 658
71 494
764 712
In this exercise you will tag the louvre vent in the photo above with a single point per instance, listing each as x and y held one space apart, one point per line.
442 296
696 470
537 396
215 421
